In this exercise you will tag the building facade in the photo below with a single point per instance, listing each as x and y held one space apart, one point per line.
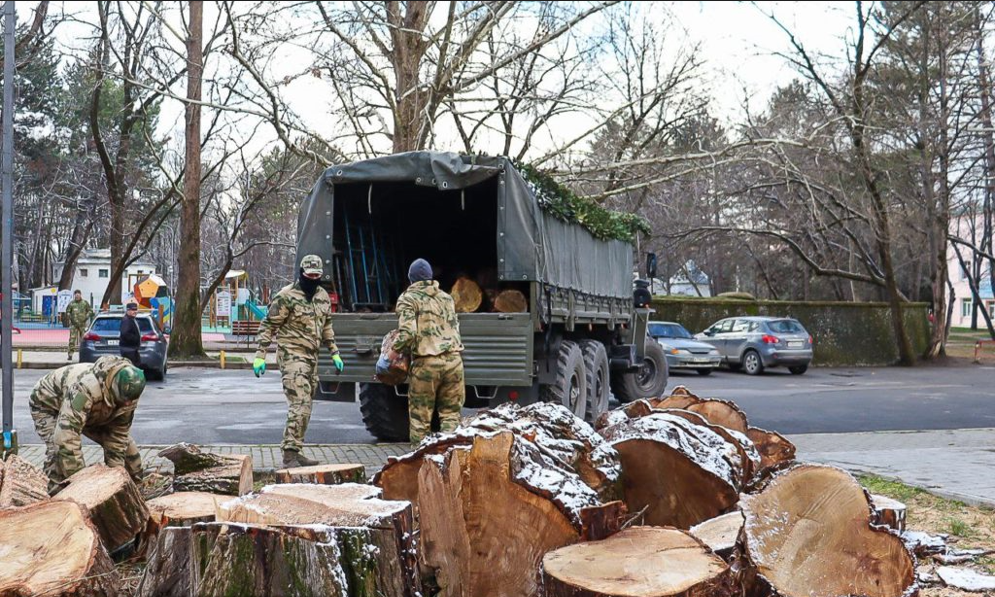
93 270
964 300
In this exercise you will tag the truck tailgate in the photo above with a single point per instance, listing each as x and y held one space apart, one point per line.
498 347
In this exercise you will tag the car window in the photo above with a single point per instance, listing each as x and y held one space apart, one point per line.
723 326
113 324
741 326
668 330
785 326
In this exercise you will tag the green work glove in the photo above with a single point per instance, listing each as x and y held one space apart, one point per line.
259 367
337 360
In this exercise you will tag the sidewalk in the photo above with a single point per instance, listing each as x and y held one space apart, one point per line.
957 464
34 358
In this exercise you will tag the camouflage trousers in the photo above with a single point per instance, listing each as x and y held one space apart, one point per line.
435 384
300 381
75 337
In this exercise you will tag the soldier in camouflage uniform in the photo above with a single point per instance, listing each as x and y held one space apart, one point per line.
429 332
299 317
78 313
97 400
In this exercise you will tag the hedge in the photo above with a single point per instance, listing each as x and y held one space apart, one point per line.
846 334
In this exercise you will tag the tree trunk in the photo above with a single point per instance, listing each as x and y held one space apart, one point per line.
888 513
467 295
186 340
323 474
800 541
51 548
511 301
407 32
171 569
212 473
720 534
637 561
112 499
21 483
77 240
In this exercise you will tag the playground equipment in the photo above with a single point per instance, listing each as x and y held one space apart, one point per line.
257 311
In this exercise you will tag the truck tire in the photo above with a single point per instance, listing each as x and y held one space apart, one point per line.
384 412
649 382
570 388
598 378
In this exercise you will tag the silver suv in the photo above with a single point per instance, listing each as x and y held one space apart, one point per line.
756 343
102 339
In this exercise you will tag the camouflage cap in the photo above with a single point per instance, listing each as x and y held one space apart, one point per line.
130 383
312 264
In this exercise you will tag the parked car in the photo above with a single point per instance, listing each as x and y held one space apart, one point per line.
756 343
102 340
682 350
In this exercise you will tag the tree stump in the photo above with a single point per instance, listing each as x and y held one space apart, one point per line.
21 483
721 533
171 570
640 561
888 513
52 548
185 508
678 473
467 295
112 499
323 474
809 532
511 301
195 470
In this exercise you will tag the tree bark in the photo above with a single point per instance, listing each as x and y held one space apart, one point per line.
52 548
171 570
186 339
212 473
888 513
323 474
113 501
407 32
637 561
21 483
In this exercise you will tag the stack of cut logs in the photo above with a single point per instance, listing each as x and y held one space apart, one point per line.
470 298
676 496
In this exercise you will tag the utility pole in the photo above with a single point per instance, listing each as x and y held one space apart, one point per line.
9 443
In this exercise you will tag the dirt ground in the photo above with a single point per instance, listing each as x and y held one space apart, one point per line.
969 527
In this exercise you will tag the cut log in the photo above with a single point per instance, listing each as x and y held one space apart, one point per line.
21 483
637 562
185 508
52 548
888 513
155 485
467 295
809 532
195 470
678 473
380 529
399 477
749 458
775 450
112 499
504 498
171 570
511 301
323 474
721 533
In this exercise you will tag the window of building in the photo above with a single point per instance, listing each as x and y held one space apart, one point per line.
964 270
84 273
140 272
991 308
965 307
104 273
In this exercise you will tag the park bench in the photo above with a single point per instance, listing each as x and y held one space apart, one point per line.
246 328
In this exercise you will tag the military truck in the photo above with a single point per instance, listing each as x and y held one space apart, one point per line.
580 338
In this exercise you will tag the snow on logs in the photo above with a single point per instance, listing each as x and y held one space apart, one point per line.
195 470
322 474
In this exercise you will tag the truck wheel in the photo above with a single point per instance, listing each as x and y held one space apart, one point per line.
649 382
384 412
570 388
598 378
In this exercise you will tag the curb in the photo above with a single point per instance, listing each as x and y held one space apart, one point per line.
173 364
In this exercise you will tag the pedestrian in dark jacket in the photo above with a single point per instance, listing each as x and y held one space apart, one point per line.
131 336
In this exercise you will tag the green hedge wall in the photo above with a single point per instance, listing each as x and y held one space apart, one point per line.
846 334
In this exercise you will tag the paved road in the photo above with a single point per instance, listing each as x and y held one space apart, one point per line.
210 406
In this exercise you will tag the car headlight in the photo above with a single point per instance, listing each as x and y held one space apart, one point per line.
680 351
714 352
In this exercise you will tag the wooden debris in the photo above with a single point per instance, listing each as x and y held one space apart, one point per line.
112 500
52 548
809 532
21 483
923 544
323 474
966 579
721 533
888 513
467 295
155 485
511 301
195 470
648 561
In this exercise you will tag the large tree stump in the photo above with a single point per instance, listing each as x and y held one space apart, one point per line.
113 502
809 533
641 561
195 470
678 473
467 295
52 548
185 508
21 483
323 474
491 511
171 570
511 301
720 534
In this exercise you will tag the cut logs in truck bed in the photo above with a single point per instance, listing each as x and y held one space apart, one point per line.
195 470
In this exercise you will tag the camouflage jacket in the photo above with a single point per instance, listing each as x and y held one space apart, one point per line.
427 321
82 397
79 313
300 326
